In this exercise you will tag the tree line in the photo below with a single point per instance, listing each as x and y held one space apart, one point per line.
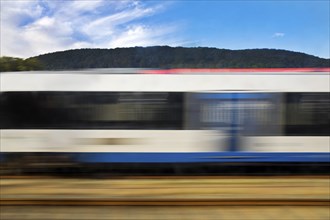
19 64
164 57
179 57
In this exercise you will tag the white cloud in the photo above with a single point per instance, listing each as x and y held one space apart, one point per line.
34 27
85 5
278 34
142 35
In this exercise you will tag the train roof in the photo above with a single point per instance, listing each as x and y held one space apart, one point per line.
176 80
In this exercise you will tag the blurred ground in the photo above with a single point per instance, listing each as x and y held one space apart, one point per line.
164 212
231 189
173 188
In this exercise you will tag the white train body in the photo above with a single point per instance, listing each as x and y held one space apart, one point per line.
196 135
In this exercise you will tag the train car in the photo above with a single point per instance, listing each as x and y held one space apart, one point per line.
208 121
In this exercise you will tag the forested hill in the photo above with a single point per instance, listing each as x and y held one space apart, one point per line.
178 57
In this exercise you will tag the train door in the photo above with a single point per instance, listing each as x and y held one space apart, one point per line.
236 114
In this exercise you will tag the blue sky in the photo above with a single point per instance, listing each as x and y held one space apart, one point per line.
33 27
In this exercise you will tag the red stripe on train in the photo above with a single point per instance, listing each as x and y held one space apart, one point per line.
234 70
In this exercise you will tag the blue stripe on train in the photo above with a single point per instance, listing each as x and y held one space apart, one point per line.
200 157
229 157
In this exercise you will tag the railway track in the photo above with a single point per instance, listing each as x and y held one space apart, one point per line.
164 202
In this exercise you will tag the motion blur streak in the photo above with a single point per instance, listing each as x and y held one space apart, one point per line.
88 121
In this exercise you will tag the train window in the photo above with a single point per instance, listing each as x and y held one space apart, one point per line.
307 114
91 110
245 113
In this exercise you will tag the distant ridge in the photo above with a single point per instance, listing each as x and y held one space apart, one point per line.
178 57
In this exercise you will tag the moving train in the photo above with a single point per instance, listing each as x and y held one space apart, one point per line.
207 121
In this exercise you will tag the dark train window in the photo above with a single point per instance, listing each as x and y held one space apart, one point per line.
91 110
307 114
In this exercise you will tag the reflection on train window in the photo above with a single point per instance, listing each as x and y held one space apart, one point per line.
225 112
100 110
243 113
307 114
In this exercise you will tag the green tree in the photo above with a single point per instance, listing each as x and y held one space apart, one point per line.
17 64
